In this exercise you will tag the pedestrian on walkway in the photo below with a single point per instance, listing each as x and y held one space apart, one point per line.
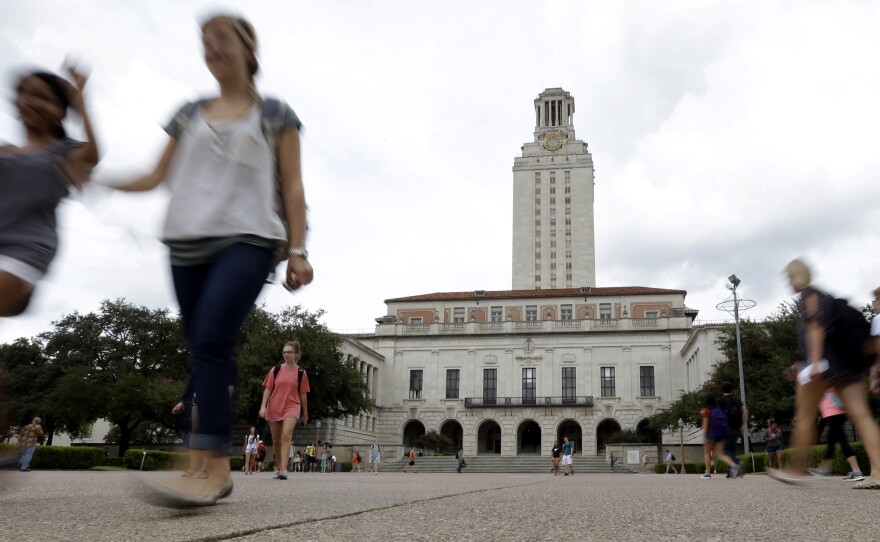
834 417
669 459
459 455
285 403
375 457
737 414
35 177
411 467
261 456
237 208
356 462
715 432
825 331
567 456
555 456
27 441
612 461
251 440
645 461
774 446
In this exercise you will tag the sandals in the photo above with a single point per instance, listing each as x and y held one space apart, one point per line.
867 485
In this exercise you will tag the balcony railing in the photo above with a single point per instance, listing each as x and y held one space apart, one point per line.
577 400
602 325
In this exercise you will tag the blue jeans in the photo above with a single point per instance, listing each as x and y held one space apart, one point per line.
215 299
25 461
730 447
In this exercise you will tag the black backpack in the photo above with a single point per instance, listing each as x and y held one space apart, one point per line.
849 335
732 407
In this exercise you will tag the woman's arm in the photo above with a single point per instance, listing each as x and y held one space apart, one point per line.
86 156
266 394
304 401
299 271
152 179
815 333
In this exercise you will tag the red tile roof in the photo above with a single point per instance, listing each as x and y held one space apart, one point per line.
526 294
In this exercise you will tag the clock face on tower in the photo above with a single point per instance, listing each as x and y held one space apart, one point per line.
553 141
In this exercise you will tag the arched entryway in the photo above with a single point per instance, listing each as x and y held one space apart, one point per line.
605 428
489 438
647 434
528 438
411 431
571 429
453 430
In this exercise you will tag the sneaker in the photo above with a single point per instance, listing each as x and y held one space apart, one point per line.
706 476
565 474
733 471
854 477
276 476
282 475
819 472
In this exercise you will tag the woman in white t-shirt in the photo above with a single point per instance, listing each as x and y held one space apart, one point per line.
250 450
237 209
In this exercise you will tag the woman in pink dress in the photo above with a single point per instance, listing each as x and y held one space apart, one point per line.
285 403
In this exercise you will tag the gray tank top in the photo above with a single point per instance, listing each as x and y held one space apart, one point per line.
31 186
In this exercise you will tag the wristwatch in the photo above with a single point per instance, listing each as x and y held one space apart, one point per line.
301 252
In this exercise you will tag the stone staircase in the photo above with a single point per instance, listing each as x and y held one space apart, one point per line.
521 464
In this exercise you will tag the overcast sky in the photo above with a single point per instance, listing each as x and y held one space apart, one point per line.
728 137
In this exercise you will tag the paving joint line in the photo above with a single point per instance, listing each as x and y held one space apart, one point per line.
402 502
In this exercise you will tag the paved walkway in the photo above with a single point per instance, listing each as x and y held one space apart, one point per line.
86 505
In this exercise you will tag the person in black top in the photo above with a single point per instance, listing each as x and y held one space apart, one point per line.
737 414
555 454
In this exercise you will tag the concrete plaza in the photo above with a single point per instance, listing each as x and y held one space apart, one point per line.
87 505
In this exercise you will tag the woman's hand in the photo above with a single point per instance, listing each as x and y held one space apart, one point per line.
80 77
178 408
305 418
263 412
299 272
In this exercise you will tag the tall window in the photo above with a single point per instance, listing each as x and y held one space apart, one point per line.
528 386
495 314
605 311
490 386
646 381
607 381
415 384
452 378
566 312
568 385
531 313
458 314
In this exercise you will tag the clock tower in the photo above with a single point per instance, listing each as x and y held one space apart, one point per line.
553 233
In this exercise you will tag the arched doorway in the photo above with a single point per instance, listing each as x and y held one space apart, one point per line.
647 434
571 429
528 438
605 428
411 431
453 430
489 438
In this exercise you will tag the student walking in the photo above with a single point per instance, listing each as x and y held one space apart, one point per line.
568 456
459 455
774 446
834 417
237 208
555 457
737 414
669 459
356 462
35 177
285 403
251 440
375 457
715 432
411 467
825 329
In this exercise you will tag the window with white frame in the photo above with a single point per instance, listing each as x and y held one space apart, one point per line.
452 380
604 311
531 313
566 312
458 314
415 384
606 379
646 381
495 314
652 314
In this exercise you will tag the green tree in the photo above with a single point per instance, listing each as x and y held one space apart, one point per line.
768 349
337 386
130 360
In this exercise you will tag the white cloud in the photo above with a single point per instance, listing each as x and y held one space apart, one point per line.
727 138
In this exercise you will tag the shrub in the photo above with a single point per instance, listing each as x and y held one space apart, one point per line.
112 461
66 457
628 436
433 440
236 462
345 466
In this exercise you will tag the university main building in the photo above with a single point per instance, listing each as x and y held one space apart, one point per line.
508 372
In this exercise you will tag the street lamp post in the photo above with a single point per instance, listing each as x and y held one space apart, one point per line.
733 306
681 434
317 432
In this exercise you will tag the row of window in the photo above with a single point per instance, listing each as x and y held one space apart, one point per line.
566 312
607 383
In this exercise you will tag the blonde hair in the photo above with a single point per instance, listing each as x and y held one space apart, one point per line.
248 36
799 274
295 345
877 293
